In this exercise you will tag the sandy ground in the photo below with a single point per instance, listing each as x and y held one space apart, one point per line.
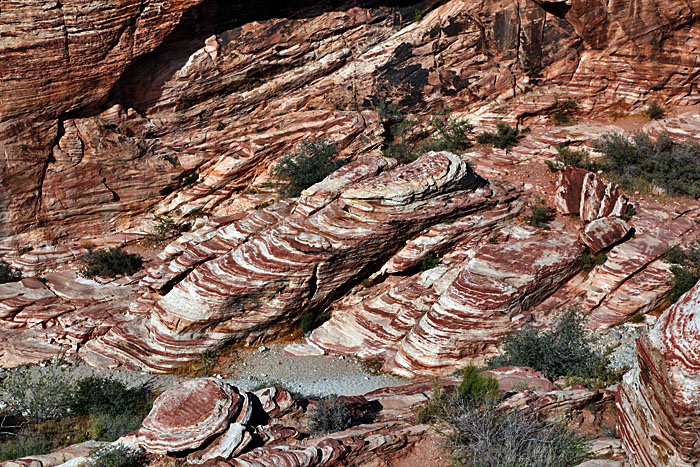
248 369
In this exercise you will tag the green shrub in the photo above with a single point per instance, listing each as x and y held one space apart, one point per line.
484 436
110 427
588 262
117 455
685 268
389 112
453 136
493 240
7 274
43 394
561 112
163 228
637 318
110 263
565 350
23 445
640 163
418 15
105 396
312 163
574 157
655 111
330 417
429 261
476 386
540 214
431 411
505 137
313 319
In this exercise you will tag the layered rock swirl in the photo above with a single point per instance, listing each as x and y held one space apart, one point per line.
106 110
659 400
298 265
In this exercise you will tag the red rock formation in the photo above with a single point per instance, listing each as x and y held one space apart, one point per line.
604 232
103 122
265 283
659 402
586 194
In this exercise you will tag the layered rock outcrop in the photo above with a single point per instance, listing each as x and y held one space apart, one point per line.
659 401
300 264
185 105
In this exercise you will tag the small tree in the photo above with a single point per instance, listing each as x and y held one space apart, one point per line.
163 228
313 162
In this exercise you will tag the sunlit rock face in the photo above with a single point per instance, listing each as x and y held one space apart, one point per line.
108 110
302 263
659 400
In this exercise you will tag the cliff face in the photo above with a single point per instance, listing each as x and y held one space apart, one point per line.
106 109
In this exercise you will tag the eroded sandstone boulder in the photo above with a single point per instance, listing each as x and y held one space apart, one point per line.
587 195
604 232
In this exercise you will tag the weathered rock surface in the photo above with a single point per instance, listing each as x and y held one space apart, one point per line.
604 232
586 194
658 400
265 283
419 329
182 88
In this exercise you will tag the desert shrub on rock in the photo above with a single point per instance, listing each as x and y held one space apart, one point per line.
564 350
655 111
163 228
41 395
588 262
8 274
476 388
561 111
117 455
313 162
685 268
505 137
110 262
405 146
642 163
540 214
330 417
313 319
574 157
484 436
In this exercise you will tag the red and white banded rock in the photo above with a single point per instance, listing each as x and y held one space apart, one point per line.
489 297
264 284
586 194
276 401
659 400
604 232
370 323
187 416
